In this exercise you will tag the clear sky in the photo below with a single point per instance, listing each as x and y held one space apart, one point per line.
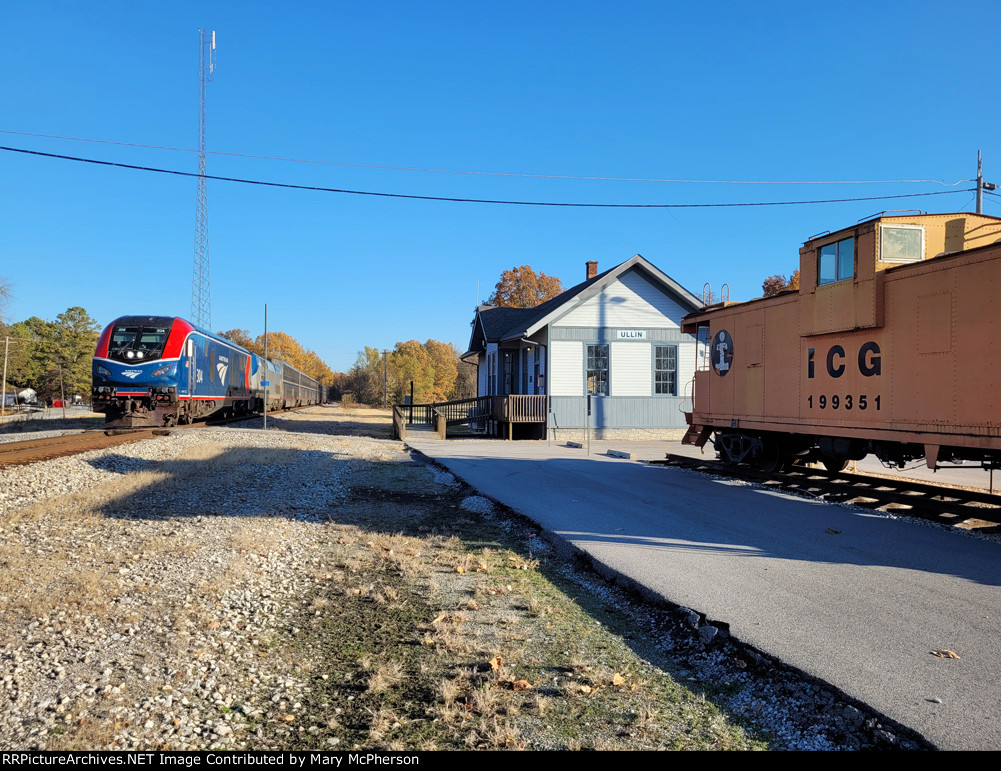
653 90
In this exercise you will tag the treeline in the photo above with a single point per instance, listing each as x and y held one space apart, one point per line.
433 367
286 348
51 357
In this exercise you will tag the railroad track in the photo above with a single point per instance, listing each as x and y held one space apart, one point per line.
34 450
956 506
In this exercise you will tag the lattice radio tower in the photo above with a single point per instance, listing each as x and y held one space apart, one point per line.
201 288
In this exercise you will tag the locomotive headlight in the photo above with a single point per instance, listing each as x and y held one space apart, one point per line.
130 354
139 354
103 371
162 371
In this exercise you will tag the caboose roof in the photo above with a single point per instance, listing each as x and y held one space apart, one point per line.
915 218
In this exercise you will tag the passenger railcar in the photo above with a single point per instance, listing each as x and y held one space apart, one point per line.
161 371
885 348
288 387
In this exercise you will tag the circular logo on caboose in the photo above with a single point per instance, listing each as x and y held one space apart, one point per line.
722 352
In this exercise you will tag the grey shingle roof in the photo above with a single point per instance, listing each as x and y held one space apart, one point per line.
500 323
497 320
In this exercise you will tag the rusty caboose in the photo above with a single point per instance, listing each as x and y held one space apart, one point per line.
887 347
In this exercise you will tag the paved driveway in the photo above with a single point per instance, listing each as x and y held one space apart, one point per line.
849 596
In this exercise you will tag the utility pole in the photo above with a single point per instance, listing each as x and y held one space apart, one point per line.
201 288
266 376
62 393
385 379
3 391
981 185
3 397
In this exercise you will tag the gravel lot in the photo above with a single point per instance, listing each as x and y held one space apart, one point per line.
152 597
143 585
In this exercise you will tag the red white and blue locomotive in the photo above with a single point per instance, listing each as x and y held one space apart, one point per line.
161 371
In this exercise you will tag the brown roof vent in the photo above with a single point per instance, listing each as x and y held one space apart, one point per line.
592 268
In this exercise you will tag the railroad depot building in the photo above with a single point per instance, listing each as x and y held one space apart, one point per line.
615 338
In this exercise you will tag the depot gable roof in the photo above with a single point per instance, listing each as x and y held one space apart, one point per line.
497 324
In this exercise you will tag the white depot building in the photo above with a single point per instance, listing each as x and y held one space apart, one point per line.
615 338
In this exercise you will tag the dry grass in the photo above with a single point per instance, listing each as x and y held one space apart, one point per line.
390 620
386 676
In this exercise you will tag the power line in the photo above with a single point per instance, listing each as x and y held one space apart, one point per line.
478 200
503 173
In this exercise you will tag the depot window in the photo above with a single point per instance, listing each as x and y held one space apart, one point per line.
836 261
492 373
665 370
597 369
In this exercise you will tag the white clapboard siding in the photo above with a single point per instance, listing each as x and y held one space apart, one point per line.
632 301
567 370
686 362
630 369
481 374
484 373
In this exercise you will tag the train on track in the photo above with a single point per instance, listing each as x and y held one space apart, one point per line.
884 349
163 371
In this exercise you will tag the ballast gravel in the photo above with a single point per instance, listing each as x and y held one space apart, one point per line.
142 589
170 649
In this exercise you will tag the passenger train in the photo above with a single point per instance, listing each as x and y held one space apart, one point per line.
153 371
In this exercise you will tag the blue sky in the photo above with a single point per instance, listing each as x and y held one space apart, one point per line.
732 91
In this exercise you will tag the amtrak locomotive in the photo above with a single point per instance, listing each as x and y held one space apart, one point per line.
161 371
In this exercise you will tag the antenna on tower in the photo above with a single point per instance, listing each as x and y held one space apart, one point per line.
201 288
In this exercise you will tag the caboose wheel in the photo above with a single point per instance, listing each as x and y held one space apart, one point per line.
772 458
834 464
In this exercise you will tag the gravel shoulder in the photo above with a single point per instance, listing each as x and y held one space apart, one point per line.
314 587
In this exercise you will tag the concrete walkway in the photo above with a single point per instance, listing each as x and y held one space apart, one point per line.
854 598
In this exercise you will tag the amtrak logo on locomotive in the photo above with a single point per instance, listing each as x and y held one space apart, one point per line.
722 352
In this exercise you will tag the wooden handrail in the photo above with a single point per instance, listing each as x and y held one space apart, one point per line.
399 424
514 408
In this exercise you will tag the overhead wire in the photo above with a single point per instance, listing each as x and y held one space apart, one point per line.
500 173
345 191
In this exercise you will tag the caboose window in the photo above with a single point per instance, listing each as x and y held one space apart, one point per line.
901 243
836 261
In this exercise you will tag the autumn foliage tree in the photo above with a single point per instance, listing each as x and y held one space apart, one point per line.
432 367
364 381
779 283
283 347
522 287
243 339
444 363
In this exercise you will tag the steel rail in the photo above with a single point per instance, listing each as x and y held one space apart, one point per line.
33 450
951 505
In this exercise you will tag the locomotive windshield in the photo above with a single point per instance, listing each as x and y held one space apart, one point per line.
137 343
